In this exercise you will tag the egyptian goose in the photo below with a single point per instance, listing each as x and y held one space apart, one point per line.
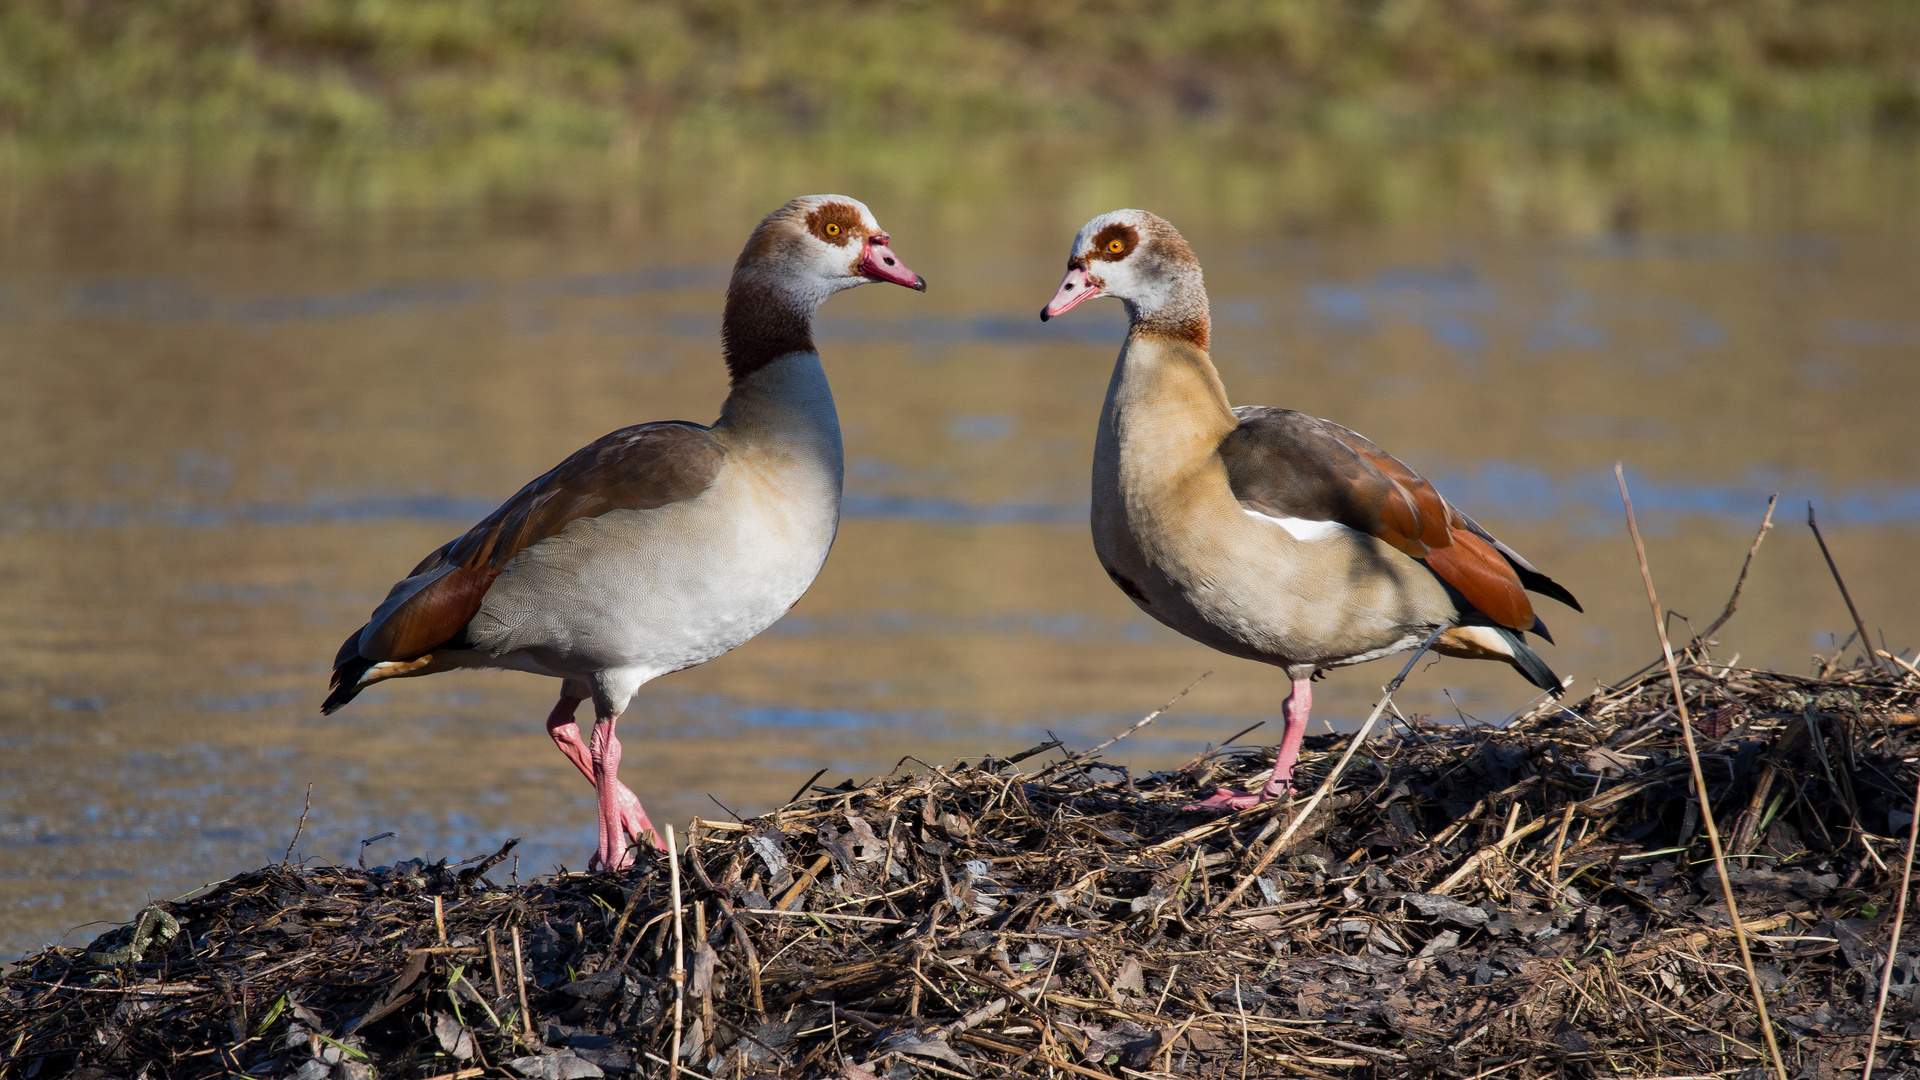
659 546
1263 532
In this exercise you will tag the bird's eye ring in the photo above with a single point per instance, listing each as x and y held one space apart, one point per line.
1116 246
833 229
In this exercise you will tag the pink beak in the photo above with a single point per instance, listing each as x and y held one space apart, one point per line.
881 264
1077 287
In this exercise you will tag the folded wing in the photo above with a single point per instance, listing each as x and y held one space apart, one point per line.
1291 465
635 468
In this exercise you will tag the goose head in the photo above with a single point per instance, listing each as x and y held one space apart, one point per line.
818 245
1141 259
800 254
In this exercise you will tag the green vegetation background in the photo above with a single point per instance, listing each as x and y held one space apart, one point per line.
374 72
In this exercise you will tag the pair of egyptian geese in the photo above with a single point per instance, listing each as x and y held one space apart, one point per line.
1262 532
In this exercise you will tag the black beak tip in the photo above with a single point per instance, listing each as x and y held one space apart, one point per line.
1044 316
919 283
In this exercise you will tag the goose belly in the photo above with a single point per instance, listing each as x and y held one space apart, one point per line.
656 590
1252 588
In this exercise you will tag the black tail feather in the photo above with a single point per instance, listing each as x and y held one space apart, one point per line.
1530 664
1534 581
1531 579
346 683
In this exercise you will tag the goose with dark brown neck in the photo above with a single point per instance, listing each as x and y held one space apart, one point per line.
659 546
1266 533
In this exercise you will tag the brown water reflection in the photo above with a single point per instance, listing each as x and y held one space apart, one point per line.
236 408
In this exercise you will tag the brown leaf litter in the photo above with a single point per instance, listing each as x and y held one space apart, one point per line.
1528 900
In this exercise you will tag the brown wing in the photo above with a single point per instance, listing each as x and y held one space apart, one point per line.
634 468
1289 464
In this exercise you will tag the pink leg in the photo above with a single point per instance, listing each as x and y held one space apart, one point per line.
1298 705
566 735
628 820
622 820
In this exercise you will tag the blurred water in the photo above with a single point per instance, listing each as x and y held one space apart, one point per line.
225 432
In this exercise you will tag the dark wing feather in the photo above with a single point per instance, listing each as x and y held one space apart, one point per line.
1289 464
635 468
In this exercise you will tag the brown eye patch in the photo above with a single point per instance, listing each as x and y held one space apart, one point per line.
1115 242
836 223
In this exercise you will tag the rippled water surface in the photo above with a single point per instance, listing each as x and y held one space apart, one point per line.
237 407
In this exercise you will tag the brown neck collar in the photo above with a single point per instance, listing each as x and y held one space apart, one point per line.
1188 327
1180 314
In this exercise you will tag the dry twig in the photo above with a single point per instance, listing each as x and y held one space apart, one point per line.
300 828
1733 601
679 974
1859 625
1143 721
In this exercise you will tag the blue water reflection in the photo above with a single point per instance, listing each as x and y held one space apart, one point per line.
1493 489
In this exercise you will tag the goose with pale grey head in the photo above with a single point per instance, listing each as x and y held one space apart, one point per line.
659 546
1266 533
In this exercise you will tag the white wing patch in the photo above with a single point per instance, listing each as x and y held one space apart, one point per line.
1302 529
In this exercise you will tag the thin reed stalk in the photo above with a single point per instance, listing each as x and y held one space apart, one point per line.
1859 624
520 979
1559 846
300 828
1733 601
1700 782
679 975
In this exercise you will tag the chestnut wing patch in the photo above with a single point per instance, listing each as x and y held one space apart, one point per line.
635 468
1288 464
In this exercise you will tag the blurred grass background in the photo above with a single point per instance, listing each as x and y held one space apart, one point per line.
1580 116
373 72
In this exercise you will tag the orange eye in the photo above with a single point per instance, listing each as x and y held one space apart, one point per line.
833 229
1115 246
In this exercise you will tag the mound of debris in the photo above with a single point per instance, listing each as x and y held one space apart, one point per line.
1532 899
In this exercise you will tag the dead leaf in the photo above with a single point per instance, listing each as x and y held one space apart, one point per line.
704 959
1606 762
1446 909
453 1037
938 1051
